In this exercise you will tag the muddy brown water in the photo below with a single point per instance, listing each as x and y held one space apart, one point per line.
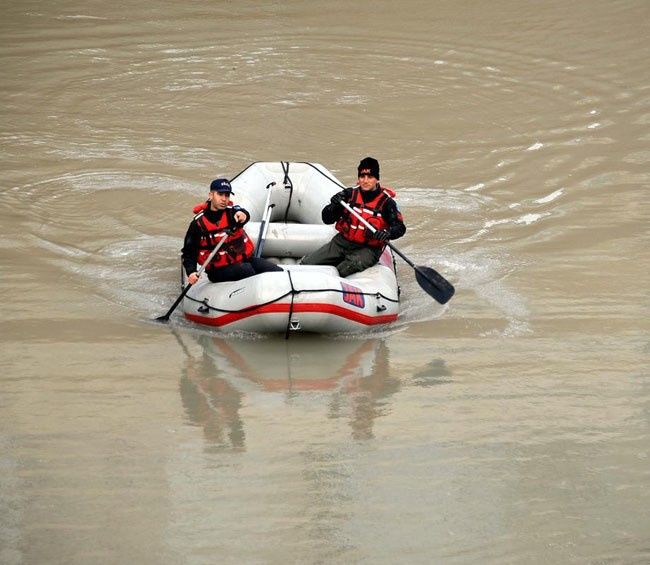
510 426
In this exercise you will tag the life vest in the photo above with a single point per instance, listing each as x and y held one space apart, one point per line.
203 206
235 249
353 229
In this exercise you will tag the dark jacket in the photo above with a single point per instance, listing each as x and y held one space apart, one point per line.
191 245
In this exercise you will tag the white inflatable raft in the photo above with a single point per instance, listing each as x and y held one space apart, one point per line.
286 199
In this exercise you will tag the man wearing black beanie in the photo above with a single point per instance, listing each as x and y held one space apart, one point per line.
355 248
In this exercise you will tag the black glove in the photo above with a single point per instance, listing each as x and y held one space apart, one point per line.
337 199
381 235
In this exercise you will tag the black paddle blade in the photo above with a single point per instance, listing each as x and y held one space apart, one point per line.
434 284
164 319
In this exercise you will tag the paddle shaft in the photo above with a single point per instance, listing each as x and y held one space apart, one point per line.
200 270
265 219
262 240
432 282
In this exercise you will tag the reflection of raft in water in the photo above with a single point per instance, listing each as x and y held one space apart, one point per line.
224 375
308 298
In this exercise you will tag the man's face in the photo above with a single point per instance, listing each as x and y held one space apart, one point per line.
367 181
219 200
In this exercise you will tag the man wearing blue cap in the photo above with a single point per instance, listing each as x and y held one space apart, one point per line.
221 218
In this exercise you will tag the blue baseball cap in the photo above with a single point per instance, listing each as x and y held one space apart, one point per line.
221 185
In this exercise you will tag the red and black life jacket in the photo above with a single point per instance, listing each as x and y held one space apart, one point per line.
235 249
353 229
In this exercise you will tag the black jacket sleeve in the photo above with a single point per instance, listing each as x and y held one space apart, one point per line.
332 212
190 251
237 208
391 214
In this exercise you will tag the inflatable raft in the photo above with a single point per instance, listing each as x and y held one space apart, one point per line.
285 200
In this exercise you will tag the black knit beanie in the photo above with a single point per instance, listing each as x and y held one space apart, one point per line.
369 166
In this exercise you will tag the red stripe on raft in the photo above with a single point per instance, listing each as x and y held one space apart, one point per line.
312 308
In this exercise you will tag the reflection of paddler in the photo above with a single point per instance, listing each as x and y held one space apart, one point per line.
211 402
368 394
214 405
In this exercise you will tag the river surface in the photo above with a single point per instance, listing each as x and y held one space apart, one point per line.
510 426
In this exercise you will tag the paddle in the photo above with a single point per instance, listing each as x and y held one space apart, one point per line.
164 319
432 282
265 218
